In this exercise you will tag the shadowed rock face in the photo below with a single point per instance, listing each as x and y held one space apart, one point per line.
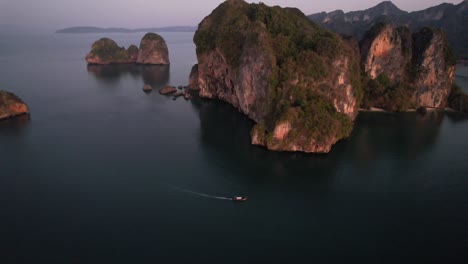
106 51
11 105
419 66
153 50
193 78
133 52
298 82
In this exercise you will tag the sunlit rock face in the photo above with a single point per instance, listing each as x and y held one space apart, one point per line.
153 50
419 66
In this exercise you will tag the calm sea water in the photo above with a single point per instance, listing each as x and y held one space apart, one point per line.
105 173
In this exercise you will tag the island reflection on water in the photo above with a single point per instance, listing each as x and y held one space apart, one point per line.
398 137
16 126
154 75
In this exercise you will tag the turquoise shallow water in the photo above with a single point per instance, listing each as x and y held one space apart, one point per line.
104 173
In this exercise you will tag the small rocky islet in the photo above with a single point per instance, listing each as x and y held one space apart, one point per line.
11 105
153 50
147 88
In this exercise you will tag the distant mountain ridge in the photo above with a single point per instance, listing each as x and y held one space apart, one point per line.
86 29
453 19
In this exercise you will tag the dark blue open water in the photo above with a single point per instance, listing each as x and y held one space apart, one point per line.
104 173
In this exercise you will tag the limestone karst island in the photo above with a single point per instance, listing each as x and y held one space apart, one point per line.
153 50
303 85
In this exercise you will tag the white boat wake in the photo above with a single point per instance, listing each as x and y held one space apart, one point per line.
202 194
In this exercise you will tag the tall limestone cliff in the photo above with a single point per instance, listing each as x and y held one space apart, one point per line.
434 64
300 83
406 70
387 50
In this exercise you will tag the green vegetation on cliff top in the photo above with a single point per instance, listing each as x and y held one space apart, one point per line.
107 49
382 93
151 39
152 36
235 23
303 55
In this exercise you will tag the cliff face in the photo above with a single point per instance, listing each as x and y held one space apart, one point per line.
193 78
435 69
387 50
298 82
245 86
11 105
411 70
153 50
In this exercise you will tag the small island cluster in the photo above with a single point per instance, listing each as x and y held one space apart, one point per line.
153 50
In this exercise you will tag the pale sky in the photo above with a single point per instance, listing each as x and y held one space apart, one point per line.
56 14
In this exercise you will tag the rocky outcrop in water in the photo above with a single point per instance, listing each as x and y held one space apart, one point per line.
11 105
407 70
147 88
298 82
153 50
106 51
168 90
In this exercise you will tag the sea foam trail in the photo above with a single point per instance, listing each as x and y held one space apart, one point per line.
201 194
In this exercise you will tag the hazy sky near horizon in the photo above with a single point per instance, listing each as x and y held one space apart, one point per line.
56 14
